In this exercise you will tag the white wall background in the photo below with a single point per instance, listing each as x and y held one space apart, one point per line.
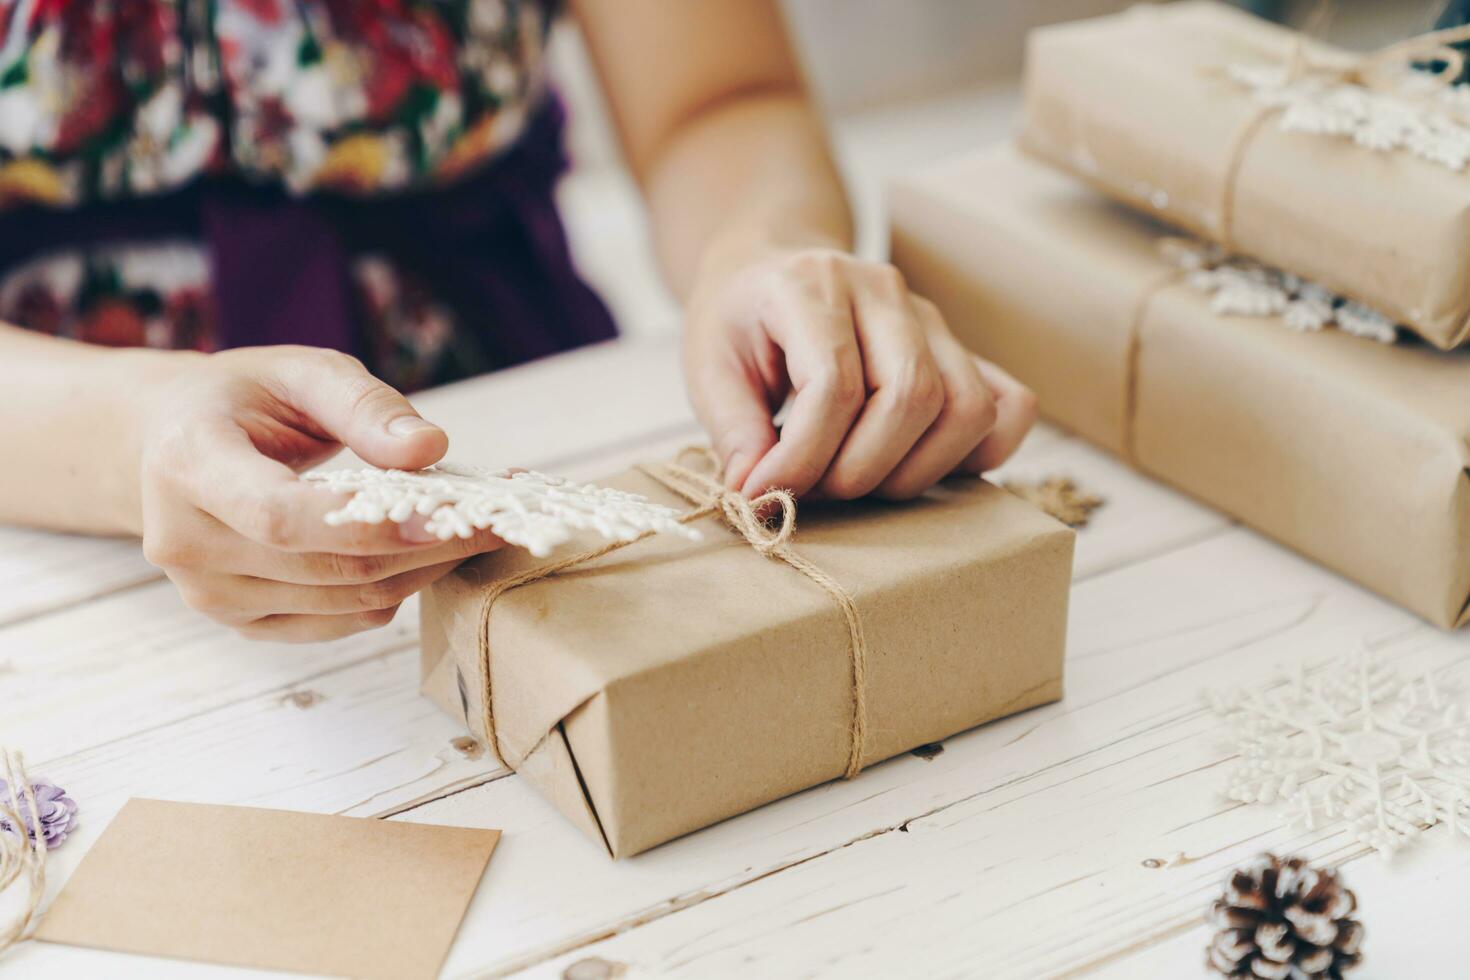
862 53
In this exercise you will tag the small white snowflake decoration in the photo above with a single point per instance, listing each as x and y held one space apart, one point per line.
1353 744
1240 287
524 508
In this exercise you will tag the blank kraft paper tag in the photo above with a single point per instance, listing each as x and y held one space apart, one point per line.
273 889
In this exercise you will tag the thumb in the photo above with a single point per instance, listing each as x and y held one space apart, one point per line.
732 404
364 414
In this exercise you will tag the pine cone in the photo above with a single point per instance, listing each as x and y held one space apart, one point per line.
1283 919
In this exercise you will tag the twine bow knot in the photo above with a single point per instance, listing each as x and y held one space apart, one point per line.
742 515
771 539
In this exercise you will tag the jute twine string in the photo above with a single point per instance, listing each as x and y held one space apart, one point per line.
743 516
21 857
1133 353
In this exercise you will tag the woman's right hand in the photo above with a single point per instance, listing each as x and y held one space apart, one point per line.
224 515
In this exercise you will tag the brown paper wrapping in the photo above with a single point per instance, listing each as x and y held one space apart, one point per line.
1352 452
672 684
1138 105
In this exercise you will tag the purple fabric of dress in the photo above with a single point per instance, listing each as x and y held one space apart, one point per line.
491 247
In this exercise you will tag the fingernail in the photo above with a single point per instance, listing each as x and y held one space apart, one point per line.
407 425
414 531
736 468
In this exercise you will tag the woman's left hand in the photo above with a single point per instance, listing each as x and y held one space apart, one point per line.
884 399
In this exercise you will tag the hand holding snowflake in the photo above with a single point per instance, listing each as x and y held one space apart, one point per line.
523 508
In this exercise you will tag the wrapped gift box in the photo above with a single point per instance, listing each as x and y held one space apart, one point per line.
1352 452
1143 106
672 683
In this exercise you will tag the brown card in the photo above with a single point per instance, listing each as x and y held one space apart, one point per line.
273 889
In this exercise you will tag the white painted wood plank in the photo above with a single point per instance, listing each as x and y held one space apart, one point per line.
1036 858
346 741
1139 518
1129 675
545 413
140 660
41 572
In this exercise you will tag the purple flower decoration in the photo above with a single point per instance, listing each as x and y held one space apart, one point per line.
57 811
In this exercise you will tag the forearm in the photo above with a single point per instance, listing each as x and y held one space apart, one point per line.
748 175
70 418
752 228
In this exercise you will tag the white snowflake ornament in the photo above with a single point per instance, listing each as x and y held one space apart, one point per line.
1353 744
524 508
1311 309
1414 115
1363 321
1241 287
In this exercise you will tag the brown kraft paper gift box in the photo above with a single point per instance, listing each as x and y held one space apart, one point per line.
672 683
1139 104
1351 452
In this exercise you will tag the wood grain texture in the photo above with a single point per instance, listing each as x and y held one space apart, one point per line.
41 572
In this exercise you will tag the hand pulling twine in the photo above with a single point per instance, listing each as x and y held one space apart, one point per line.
21 855
1363 72
742 516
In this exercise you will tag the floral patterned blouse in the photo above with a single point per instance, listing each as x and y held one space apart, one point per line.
373 175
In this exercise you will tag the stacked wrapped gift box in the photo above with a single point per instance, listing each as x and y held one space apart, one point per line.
1313 390
654 687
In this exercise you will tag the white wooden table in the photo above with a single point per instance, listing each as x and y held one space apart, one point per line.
1081 838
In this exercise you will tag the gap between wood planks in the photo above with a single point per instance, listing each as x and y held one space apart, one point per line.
107 592
279 690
